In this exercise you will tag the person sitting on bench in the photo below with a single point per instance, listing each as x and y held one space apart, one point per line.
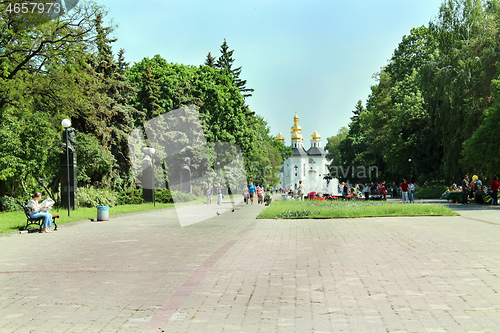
34 211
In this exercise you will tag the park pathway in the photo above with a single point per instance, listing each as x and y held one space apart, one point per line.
233 273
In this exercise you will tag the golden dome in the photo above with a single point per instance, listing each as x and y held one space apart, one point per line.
296 136
296 130
280 137
315 136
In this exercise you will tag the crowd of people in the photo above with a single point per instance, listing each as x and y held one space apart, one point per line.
368 191
475 189
250 193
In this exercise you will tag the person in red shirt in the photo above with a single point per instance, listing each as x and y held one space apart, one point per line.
404 190
494 191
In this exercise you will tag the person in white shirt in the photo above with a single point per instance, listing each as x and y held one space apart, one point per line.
34 211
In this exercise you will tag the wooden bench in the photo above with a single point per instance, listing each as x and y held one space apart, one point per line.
30 221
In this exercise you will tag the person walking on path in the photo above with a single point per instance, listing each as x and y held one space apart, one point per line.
394 190
260 195
209 195
494 191
251 191
34 212
465 189
246 195
366 191
404 190
411 192
218 191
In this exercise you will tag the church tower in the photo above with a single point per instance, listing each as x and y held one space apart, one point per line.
280 137
296 132
315 140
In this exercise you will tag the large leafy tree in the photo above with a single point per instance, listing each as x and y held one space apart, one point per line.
266 157
434 101
212 91
44 78
222 111
333 146
456 84
411 130
481 151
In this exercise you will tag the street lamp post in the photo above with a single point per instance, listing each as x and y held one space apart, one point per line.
67 123
152 150
411 170
148 175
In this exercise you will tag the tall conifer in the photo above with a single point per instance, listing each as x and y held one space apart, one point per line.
225 62
112 118
210 60
149 95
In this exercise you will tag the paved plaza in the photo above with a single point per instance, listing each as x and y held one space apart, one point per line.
233 273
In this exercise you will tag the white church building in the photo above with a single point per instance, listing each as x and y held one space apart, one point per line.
309 166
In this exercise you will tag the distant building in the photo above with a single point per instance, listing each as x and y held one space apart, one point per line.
309 166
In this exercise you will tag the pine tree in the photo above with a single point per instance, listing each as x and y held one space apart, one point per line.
112 118
225 62
122 64
210 61
149 95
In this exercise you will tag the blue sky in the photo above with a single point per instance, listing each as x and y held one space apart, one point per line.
313 57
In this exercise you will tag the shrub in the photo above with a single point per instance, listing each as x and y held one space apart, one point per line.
183 197
167 196
92 197
198 191
164 196
9 204
133 196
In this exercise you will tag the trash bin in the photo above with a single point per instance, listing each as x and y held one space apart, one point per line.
102 213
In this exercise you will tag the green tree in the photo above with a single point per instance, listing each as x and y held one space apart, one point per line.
266 156
333 146
219 102
44 78
353 147
225 62
112 118
122 64
210 60
481 151
456 85
148 98
411 132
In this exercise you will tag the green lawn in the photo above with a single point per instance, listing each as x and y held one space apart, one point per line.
343 209
429 192
14 221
